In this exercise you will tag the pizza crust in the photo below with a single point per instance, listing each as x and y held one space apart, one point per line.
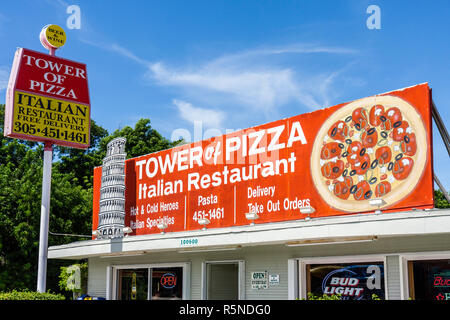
402 189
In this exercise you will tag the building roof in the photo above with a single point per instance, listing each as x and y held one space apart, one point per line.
340 229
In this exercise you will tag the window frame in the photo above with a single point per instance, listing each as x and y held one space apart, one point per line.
302 272
112 280
416 256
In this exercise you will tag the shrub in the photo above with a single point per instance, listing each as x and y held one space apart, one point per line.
30 295
74 279
312 296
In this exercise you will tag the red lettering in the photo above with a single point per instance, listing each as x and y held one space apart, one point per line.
440 282
168 280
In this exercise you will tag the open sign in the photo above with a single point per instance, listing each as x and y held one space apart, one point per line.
260 280
168 280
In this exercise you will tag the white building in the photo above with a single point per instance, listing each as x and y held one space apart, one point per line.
413 249
396 249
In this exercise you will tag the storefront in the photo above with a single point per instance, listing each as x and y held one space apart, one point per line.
392 255
338 202
152 281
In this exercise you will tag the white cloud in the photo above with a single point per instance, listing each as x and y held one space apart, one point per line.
4 77
208 117
114 47
288 49
261 89
251 78
254 79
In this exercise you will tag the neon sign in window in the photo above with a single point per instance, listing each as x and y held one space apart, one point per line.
431 280
349 281
167 283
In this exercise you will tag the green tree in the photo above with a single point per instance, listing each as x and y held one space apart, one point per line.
440 201
143 139
70 203
20 197
79 162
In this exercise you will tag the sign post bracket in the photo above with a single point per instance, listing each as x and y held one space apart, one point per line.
441 126
445 137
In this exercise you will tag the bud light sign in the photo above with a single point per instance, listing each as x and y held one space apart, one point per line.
350 282
344 286
441 285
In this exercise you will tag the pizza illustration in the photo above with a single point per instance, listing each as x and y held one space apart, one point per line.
370 148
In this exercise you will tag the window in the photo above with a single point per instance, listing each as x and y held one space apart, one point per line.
353 281
167 283
144 282
429 279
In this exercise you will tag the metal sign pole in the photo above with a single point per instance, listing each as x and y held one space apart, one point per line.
45 212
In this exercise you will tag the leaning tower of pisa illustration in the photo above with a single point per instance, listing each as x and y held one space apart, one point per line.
111 217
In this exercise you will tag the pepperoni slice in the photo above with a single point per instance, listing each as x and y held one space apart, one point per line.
375 113
382 188
353 159
402 168
369 138
354 147
342 188
332 170
330 150
363 191
338 131
363 164
360 118
409 145
400 131
383 155
354 151
393 116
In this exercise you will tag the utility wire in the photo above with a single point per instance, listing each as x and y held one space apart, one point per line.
68 234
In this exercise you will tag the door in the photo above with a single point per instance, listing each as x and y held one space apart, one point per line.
133 284
222 281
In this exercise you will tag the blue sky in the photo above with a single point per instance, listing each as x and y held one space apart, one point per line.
235 64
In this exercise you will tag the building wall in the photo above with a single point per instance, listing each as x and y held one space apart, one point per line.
274 260
393 277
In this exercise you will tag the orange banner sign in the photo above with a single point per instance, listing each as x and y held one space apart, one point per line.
358 157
